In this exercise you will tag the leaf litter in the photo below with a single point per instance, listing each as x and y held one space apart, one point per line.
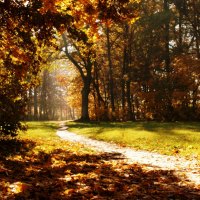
73 171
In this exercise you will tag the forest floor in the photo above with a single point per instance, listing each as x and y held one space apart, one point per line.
187 170
41 165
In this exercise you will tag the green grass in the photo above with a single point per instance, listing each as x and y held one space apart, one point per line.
165 138
43 133
41 130
38 164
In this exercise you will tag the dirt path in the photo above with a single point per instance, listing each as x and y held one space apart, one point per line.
189 170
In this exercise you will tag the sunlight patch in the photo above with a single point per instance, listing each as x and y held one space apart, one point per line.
18 187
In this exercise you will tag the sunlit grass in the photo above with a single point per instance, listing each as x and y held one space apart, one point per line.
44 135
39 165
166 138
37 161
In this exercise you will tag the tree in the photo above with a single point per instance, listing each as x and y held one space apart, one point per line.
127 70
84 64
23 30
88 22
152 64
111 84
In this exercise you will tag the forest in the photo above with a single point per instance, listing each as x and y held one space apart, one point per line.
115 60
99 99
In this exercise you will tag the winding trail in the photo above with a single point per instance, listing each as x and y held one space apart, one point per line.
152 161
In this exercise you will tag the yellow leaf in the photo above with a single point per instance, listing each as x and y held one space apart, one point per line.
134 20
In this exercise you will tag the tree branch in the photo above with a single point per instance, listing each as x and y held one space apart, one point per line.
71 58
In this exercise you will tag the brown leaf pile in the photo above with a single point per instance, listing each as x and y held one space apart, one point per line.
72 174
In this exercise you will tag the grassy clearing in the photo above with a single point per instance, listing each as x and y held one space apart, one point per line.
43 134
165 138
38 165
33 164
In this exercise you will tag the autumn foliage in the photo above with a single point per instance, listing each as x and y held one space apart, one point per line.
23 31
145 68
137 60
26 26
48 168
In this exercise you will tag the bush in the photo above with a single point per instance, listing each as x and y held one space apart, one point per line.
11 113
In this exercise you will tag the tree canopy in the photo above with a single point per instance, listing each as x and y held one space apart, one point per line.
25 27
136 60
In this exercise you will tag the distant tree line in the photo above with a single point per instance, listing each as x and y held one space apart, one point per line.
48 100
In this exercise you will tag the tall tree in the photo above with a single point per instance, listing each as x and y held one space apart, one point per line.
84 64
111 84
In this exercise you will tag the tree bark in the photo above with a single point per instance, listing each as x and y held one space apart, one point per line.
86 78
110 70
85 101
168 89
35 104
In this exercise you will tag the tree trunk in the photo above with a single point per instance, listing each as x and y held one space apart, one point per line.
197 45
35 104
126 70
29 104
100 102
110 70
86 78
131 114
167 53
85 101
180 37
123 82
168 89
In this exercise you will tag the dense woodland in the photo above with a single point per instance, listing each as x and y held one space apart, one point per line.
129 60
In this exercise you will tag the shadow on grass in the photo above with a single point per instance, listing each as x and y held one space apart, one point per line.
42 125
156 127
170 127
66 175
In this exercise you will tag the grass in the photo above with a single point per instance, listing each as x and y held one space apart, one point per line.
34 163
165 138
39 165
43 134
